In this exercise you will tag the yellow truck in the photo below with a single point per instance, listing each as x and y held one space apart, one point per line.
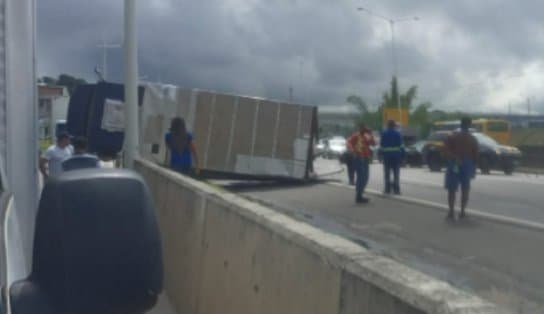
401 116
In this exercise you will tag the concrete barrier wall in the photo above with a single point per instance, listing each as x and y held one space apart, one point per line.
224 254
533 156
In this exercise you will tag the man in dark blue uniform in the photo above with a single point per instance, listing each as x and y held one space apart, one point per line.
393 152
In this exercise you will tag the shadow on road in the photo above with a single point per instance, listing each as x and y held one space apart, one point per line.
257 186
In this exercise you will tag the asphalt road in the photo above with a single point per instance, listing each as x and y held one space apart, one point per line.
500 262
519 196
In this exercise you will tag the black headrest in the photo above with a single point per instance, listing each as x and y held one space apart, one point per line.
97 245
78 162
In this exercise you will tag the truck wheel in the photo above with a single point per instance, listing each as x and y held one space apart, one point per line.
485 165
435 162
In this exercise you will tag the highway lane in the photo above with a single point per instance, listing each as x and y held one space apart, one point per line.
519 196
500 262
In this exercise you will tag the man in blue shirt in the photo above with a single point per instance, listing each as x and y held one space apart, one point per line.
393 152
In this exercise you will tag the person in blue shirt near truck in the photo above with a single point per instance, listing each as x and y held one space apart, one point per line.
181 155
392 150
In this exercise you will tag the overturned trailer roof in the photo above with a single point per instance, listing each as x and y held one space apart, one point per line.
236 136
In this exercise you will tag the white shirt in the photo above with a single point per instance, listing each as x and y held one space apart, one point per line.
56 155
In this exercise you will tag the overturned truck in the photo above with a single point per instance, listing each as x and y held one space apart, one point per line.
237 137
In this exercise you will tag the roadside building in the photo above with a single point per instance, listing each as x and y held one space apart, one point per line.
52 107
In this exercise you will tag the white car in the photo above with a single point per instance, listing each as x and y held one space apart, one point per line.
336 147
321 147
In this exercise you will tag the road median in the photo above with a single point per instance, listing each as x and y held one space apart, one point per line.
226 254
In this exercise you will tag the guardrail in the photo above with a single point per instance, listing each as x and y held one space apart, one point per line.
533 156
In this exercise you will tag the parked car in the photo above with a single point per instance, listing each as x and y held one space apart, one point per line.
491 154
414 154
320 147
336 146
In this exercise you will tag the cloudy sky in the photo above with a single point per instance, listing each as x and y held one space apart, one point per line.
463 54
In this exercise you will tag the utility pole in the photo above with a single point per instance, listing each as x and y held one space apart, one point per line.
301 67
528 106
392 22
131 85
290 93
395 67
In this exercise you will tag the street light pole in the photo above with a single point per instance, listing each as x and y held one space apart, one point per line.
393 52
131 85
392 22
301 81
395 67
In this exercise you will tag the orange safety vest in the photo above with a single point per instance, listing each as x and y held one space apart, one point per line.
360 144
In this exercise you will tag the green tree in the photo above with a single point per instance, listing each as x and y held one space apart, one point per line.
70 82
368 116
420 118
358 102
48 80
406 99
66 80
372 117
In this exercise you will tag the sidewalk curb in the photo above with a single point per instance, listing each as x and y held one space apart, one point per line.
472 212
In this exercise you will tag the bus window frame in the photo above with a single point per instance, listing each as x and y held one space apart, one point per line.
479 126
505 125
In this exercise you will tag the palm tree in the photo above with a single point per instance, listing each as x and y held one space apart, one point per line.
406 99
358 102
367 115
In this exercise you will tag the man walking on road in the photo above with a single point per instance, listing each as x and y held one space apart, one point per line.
347 158
393 151
461 151
359 144
81 159
55 155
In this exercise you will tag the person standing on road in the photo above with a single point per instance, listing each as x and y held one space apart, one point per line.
181 148
347 158
81 159
51 161
359 144
393 151
461 151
